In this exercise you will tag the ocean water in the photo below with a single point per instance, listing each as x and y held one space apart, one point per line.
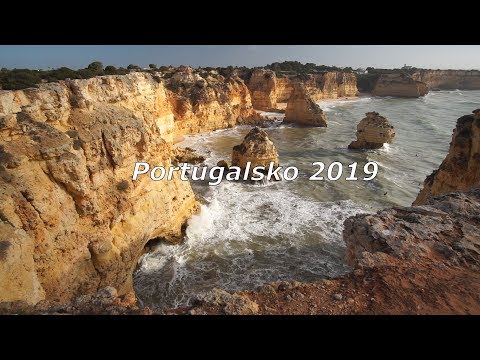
249 235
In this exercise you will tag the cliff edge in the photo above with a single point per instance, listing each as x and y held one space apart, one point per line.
401 85
449 79
460 170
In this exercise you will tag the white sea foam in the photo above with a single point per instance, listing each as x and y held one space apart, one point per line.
252 234
330 105
272 115
240 224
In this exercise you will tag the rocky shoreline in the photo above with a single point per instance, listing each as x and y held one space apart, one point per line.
73 224
415 260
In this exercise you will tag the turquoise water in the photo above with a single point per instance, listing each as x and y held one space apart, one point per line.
292 230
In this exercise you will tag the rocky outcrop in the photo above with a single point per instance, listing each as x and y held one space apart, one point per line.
72 220
186 155
267 90
372 132
449 79
284 88
444 228
256 148
332 85
413 260
401 85
106 301
301 109
206 101
460 170
263 89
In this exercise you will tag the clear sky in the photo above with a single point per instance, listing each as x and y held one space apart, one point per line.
388 56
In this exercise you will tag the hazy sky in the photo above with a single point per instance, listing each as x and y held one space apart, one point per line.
389 56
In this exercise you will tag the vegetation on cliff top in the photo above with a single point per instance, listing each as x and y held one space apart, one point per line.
17 79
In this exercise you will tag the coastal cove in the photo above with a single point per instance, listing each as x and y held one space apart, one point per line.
248 235
80 234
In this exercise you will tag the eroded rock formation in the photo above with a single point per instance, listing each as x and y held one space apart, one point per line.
331 85
413 260
267 90
206 101
263 89
449 79
256 148
401 85
72 219
406 260
460 170
301 109
372 132
445 227
186 155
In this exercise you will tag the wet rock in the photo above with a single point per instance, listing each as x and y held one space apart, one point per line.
372 132
256 148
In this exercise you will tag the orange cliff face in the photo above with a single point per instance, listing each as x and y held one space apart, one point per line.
73 221
332 85
401 85
449 79
460 170
267 90
206 101
302 110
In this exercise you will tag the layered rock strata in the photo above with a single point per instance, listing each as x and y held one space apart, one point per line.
401 85
460 170
301 109
372 132
263 89
449 79
267 90
205 101
72 220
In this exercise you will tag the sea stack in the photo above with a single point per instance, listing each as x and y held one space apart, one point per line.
372 132
256 148
301 109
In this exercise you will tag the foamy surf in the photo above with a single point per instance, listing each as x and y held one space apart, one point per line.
241 224
330 105
253 234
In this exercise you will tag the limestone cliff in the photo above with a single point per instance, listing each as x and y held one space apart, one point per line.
284 88
372 132
301 109
206 101
256 148
332 85
401 85
263 89
267 90
460 170
449 79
